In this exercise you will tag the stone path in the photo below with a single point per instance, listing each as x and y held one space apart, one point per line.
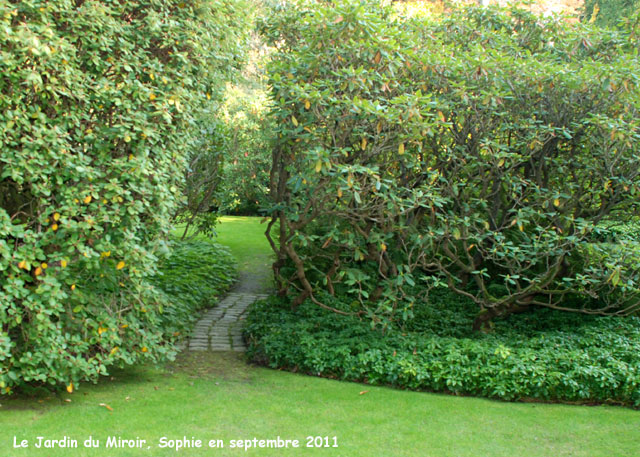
220 328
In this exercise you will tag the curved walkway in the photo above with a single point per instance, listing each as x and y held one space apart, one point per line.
220 328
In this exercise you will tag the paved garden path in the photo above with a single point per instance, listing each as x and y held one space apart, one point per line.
220 328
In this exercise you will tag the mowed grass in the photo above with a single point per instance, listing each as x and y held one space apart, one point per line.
211 396
245 237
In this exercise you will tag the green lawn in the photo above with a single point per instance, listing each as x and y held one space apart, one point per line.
217 396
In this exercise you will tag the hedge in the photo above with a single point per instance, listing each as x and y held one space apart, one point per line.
99 104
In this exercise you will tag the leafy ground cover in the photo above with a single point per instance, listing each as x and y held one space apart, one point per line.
217 395
542 354
193 277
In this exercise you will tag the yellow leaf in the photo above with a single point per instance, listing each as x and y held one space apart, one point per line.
70 388
501 163
22 264
152 96
127 138
144 349
120 265
379 127
318 166
152 76
401 149
339 193
44 265
377 58
441 116
73 287
114 350
56 216
87 199
208 96
54 227
556 202
38 271
124 325
364 144
594 14
105 254
63 263
383 247
307 104
106 406
294 120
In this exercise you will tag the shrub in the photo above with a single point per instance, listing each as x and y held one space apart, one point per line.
542 354
98 108
484 150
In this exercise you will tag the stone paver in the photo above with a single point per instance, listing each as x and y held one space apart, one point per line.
220 328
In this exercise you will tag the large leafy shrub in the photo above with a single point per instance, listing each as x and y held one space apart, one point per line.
100 104
538 355
489 150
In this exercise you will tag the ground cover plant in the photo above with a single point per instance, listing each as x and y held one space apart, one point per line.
541 355
193 277
101 104
489 150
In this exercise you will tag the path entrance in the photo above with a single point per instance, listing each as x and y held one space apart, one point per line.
220 328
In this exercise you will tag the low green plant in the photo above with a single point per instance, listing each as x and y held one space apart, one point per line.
192 277
542 354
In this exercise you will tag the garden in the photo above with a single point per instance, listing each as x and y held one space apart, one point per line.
319 228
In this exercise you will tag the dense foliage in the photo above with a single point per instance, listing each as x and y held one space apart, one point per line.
192 277
610 12
100 105
489 150
245 173
541 355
